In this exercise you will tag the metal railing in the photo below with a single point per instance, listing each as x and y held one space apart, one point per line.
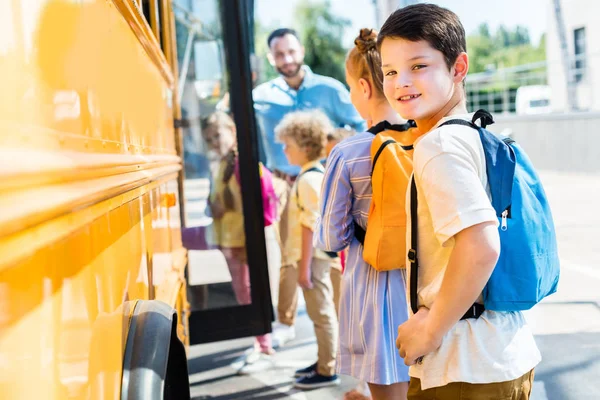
496 90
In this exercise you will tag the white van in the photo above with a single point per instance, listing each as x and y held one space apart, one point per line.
534 99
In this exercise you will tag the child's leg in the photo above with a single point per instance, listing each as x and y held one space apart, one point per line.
518 389
320 309
265 344
384 392
240 275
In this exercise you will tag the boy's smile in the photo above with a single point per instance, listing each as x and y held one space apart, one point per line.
408 97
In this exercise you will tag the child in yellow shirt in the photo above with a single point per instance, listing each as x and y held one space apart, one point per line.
304 134
225 203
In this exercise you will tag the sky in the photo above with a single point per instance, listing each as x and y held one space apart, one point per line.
529 13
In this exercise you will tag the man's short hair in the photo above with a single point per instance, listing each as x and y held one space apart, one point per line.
438 26
281 32
309 129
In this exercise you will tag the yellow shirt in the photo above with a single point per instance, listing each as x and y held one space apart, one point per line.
303 210
229 229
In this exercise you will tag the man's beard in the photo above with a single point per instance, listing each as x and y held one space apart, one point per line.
292 74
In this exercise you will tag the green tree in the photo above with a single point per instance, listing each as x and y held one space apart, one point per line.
519 36
484 30
480 47
506 48
261 33
322 32
502 37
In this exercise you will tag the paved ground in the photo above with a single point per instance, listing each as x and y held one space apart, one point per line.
567 325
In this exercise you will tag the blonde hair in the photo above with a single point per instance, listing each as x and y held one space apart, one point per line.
309 129
339 134
217 119
220 119
364 61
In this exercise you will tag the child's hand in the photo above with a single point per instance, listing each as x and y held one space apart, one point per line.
304 280
415 339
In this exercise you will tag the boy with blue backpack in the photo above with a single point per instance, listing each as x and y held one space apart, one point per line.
481 238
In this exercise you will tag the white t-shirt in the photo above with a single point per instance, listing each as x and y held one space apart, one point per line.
453 194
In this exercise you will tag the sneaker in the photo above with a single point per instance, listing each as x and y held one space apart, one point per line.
256 362
282 334
301 373
315 380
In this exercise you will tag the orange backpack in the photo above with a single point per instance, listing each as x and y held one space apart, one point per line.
385 239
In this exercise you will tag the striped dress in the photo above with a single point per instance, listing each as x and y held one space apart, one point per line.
372 303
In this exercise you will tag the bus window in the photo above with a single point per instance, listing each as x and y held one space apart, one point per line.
218 274
152 13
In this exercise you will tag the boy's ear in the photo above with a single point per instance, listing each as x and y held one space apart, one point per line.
461 67
366 88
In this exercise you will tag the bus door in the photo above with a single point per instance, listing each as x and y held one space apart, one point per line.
227 274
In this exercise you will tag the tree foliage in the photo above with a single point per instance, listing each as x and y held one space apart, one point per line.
261 33
506 48
322 33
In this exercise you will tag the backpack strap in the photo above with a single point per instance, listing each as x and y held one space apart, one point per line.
313 169
359 233
476 309
483 115
386 126
331 254
412 253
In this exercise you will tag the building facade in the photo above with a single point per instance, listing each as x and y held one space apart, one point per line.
581 20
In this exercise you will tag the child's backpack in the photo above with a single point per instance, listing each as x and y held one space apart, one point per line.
528 268
391 168
267 192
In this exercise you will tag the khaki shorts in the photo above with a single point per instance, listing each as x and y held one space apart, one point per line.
518 389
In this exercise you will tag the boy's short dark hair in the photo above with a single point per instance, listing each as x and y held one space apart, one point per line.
281 32
438 26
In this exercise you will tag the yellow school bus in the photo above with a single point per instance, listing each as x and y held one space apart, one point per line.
93 269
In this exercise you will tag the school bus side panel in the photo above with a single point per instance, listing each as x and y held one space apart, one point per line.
88 193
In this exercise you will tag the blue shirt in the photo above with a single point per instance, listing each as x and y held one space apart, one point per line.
274 99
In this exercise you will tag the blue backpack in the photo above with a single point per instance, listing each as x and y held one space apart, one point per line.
528 268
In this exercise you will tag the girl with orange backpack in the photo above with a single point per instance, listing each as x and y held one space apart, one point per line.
373 298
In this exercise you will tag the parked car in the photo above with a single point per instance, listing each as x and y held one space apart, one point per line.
534 99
